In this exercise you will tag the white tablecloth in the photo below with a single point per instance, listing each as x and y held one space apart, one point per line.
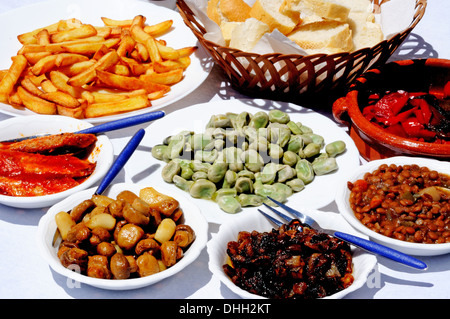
24 273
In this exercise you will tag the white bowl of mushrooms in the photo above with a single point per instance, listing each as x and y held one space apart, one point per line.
163 233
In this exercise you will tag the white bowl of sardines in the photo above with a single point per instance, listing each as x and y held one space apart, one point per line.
41 171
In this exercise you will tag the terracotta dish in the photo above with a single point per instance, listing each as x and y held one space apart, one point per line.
373 142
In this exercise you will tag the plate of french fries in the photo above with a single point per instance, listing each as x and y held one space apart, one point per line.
96 60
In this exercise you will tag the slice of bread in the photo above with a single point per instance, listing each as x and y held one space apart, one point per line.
365 31
213 12
327 36
246 34
268 11
321 9
235 10
227 10
355 5
227 29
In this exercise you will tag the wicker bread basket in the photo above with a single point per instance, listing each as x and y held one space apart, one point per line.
294 77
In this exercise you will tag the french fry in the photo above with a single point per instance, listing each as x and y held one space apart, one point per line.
126 45
142 52
76 68
168 65
48 86
61 98
138 20
156 95
3 73
139 35
77 112
104 32
84 31
15 100
135 67
36 79
187 51
87 48
60 47
108 108
159 28
120 69
167 78
88 75
59 80
12 76
44 65
34 57
129 83
35 103
29 37
117 23
28 84
63 59
43 37
68 24
99 97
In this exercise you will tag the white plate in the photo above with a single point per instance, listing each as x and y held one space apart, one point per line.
363 262
28 18
317 194
103 153
47 227
342 201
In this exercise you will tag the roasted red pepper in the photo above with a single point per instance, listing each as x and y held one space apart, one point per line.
391 104
416 129
404 114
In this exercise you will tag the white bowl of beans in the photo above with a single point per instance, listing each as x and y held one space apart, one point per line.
401 202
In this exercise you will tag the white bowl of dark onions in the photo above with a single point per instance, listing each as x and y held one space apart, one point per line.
401 202
40 172
122 251
258 269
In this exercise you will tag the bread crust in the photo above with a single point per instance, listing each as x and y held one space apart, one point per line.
258 11
235 10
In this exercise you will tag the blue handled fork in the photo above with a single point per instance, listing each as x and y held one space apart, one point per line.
357 241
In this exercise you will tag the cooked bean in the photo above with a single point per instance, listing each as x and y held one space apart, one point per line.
158 151
202 188
259 119
171 169
335 148
324 166
229 204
